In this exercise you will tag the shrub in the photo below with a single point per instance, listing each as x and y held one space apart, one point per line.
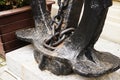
11 4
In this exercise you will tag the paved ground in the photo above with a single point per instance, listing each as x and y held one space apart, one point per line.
2 66
2 62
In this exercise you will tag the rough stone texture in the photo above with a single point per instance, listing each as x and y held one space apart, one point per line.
21 62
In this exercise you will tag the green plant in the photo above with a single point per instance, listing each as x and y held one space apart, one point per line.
2 2
11 4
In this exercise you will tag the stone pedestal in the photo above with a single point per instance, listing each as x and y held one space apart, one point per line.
21 62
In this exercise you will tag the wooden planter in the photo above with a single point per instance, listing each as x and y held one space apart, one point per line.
12 20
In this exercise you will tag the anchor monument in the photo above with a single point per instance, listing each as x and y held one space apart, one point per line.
64 44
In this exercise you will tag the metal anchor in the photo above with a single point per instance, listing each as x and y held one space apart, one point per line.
69 48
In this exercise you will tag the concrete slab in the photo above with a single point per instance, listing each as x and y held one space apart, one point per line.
16 59
21 62
4 75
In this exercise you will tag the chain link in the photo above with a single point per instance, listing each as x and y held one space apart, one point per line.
58 35
57 39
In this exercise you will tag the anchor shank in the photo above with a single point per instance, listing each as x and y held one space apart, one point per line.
72 13
91 24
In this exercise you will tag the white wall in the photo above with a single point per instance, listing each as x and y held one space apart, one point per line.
111 29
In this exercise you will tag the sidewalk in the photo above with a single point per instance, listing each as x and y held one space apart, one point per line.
2 66
2 62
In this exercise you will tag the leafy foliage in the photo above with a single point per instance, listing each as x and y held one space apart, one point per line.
11 4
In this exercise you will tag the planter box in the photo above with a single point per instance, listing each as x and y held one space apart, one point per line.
12 20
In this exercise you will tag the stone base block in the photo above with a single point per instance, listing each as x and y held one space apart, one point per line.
21 62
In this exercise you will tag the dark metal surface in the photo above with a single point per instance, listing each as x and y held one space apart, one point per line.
63 45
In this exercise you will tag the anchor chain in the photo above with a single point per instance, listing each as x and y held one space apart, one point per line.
58 34
57 20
